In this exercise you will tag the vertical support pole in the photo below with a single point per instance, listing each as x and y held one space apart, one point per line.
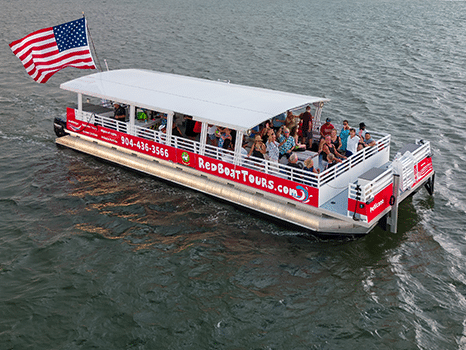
392 219
316 127
169 128
238 146
80 106
203 138
132 119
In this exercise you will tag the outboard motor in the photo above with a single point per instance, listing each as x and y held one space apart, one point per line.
59 127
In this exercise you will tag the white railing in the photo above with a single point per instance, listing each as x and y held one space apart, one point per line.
360 157
422 152
367 192
107 122
335 179
404 165
341 173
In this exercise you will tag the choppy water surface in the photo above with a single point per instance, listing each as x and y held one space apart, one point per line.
95 256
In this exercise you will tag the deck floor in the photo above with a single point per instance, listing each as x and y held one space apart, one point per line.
338 204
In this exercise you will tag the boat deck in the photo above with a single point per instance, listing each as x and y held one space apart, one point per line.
338 204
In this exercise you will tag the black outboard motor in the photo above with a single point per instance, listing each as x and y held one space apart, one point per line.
59 127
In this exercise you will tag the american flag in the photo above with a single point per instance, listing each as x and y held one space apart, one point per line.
46 51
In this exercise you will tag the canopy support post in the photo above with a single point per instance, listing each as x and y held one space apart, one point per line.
168 129
203 138
132 118
238 146
80 106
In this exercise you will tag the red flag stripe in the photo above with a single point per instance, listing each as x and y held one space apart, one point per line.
40 55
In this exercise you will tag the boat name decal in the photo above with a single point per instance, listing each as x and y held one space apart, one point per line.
376 205
245 177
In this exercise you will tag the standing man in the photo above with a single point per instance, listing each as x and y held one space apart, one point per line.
307 118
119 113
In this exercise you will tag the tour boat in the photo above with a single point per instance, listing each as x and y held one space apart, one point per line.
348 199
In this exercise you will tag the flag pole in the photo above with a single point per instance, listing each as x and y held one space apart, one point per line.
93 46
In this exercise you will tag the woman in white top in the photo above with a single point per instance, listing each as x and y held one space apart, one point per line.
272 147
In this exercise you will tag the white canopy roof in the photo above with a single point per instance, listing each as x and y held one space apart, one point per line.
215 102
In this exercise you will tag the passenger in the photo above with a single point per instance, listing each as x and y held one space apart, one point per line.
344 134
331 161
272 148
306 128
224 140
287 143
293 161
233 139
309 166
279 133
119 112
175 129
266 130
326 129
211 136
352 144
258 148
190 123
368 140
295 132
290 120
362 130
278 121
244 150
336 141
329 148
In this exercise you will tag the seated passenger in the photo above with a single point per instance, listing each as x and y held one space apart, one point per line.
329 148
119 112
336 140
362 130
287 143
211 135
295 133
331 161
293 161
368 140
224 140
309 166
175 129
258 148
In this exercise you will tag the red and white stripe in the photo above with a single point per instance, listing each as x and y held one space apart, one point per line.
40 57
